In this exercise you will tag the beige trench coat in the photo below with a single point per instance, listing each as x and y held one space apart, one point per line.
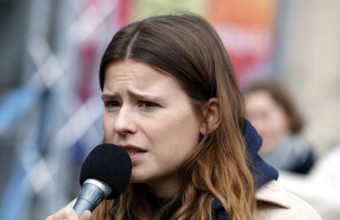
275 203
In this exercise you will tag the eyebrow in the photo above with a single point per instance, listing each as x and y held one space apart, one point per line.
134 95
108 97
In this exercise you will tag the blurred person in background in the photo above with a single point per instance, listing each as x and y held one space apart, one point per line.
272 111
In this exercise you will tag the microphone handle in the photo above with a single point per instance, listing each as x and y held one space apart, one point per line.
90 196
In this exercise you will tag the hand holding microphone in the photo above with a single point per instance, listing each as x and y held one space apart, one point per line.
105 174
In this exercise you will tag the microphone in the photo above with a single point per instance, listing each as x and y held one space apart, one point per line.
105 174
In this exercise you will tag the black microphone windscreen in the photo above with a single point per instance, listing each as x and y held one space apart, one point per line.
110 164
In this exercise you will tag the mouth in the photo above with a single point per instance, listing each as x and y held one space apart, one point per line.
134 152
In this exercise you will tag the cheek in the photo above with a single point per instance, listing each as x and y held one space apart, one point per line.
184 135
104 122
107 125
279 122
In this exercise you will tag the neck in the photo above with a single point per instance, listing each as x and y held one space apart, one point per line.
165 189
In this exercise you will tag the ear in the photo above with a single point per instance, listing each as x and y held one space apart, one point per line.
211 114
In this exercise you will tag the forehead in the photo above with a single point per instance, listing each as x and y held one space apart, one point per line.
137 74
259 100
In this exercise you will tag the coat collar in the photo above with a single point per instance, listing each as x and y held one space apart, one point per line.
273 193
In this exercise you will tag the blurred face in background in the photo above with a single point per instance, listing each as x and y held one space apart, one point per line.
268 117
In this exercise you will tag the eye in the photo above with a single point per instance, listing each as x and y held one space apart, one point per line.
147 104
109 104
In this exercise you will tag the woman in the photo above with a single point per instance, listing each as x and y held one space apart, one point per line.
171 100
271 110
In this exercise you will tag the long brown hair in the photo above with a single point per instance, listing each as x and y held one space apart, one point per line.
188 48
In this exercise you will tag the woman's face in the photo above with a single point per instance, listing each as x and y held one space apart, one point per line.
151 117
268 117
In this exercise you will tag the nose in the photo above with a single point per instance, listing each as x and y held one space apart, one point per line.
124 123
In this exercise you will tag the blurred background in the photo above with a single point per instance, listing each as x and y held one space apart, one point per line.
50 106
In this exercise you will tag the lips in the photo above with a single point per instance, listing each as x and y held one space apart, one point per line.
134 152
